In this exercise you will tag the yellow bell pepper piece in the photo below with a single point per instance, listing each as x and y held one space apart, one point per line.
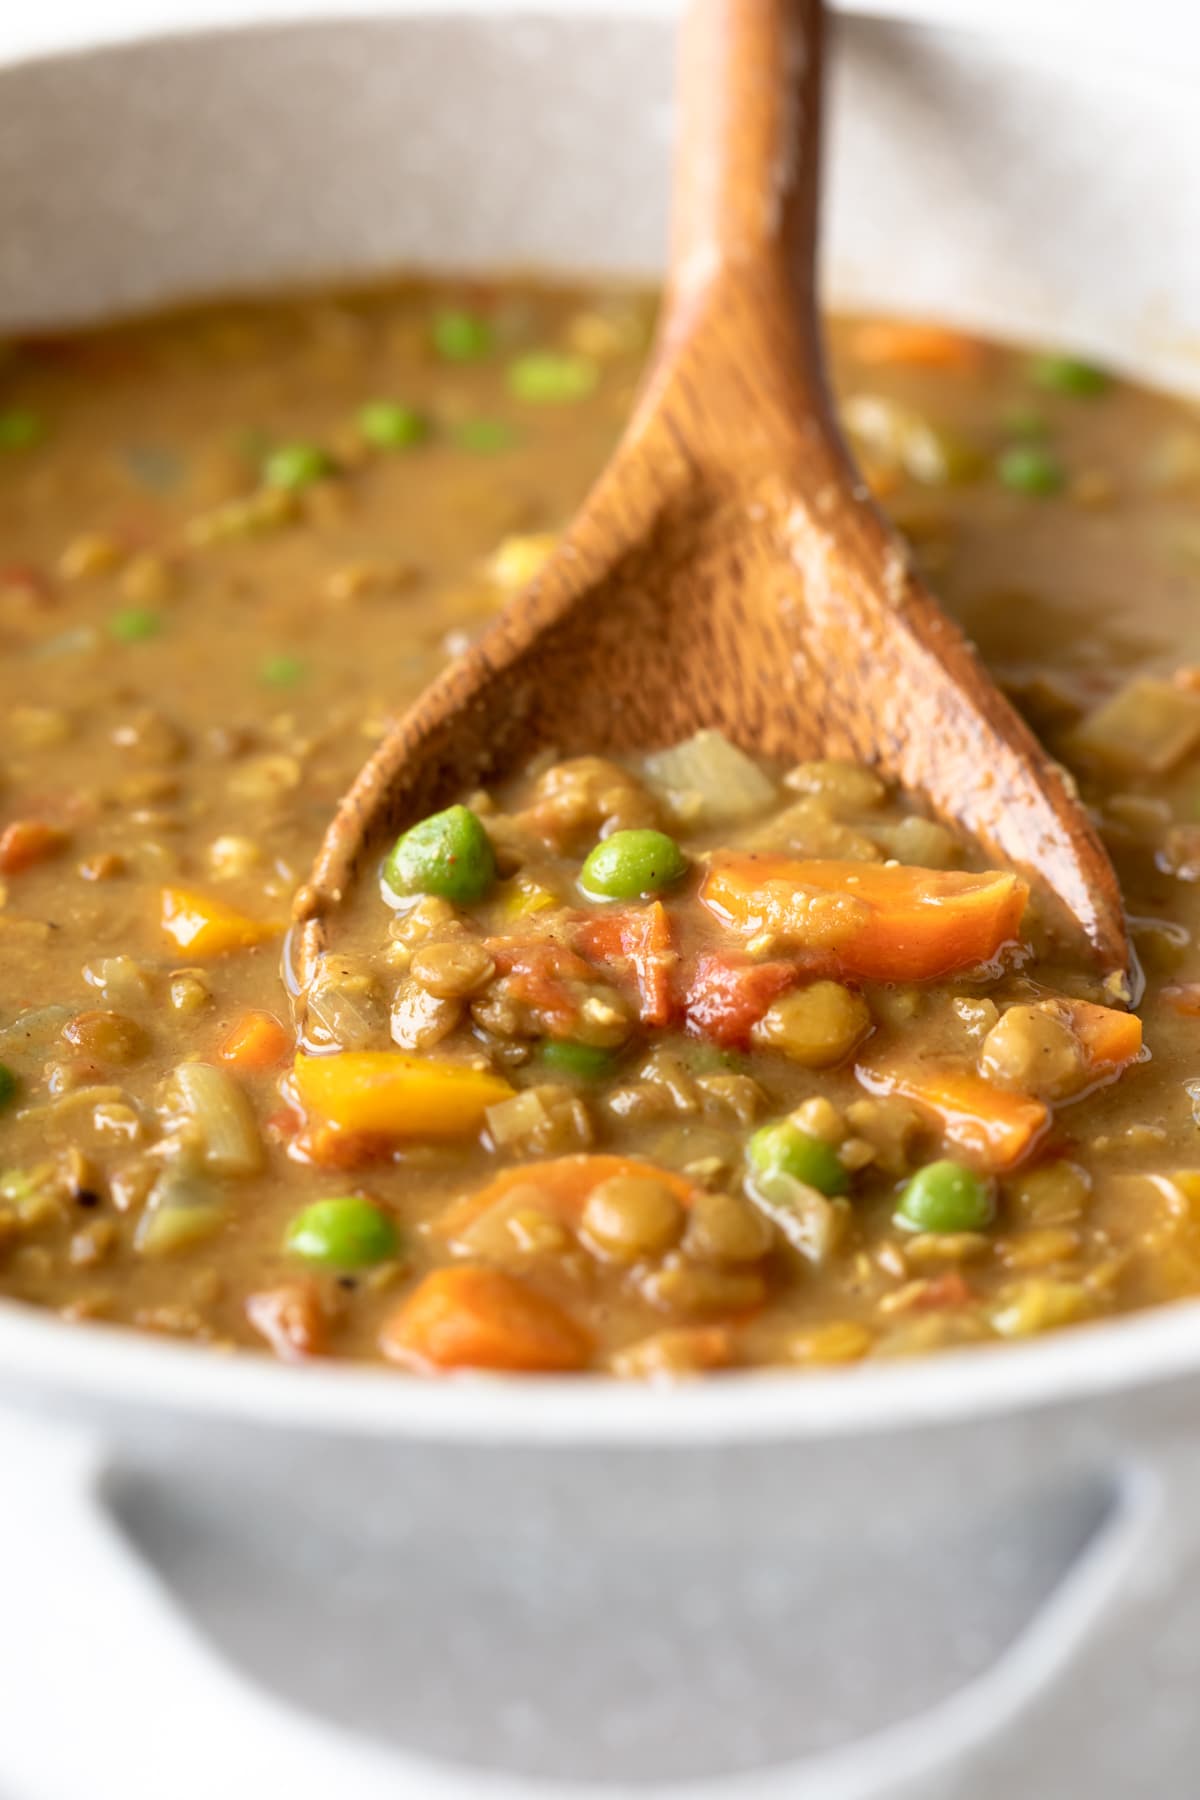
522 896
209 927
387 1093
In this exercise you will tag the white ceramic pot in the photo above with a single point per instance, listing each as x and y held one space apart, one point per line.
972 1576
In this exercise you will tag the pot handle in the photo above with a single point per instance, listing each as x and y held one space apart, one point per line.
153 1710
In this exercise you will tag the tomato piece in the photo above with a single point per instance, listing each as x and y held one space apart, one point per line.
637 940
546 977
727 996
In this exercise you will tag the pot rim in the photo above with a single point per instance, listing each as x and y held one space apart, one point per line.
119 1366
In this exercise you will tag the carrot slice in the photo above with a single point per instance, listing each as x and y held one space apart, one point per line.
292 1319
726 998
564 1184
638 939
871 921
478 1318
27 842
257 1041
1110 1038
909 343
986 1123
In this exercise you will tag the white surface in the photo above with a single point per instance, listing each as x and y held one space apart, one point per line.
180 1724
1159 33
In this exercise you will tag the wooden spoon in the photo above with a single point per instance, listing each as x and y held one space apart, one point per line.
729 569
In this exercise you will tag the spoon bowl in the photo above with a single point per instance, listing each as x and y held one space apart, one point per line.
729 569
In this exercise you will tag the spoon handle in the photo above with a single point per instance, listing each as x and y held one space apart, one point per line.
747 166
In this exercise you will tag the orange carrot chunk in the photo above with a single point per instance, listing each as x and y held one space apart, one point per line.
477 1318
292 1318
870 921
27 842
257 1041
989 1125
910 343
1110 1038
563 1184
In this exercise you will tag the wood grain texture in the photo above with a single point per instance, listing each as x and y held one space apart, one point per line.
729 569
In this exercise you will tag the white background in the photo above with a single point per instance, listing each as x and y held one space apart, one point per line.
1151 31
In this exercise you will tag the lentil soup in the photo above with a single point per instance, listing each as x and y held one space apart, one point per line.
658 1067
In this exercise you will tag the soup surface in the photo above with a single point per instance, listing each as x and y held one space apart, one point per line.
671 1066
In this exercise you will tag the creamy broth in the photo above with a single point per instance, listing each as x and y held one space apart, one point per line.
234 542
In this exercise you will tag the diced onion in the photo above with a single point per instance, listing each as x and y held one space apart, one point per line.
809 1221
35 1027
512 1119
898 438
706 780
182 1208
67 643
348 1017
121 980
1147 727
210 1108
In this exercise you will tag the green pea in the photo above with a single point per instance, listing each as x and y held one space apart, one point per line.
484 437
551 377
283 670
8 1085
630 863
461 336
295 466
449 854
578 1062
783 1148
1069 375
346 1233
20 429
1030 469
390 426
945 1196
134 624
